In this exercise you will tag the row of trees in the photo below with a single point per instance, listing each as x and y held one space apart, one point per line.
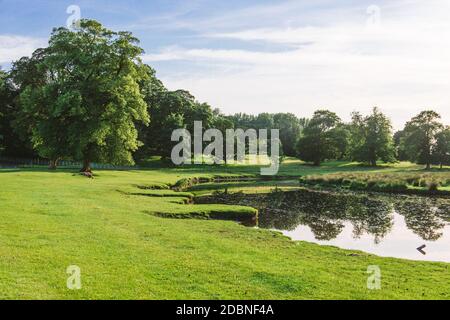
424 140
289 125
88 97
368 139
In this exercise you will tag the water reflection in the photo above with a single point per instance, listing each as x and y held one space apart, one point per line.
423 218
325 213
384 225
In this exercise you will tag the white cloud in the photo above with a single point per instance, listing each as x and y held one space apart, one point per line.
401 65
13 47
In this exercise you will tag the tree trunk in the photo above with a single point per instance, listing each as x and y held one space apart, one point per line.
317 163
53 164
373 163
86 166
428 167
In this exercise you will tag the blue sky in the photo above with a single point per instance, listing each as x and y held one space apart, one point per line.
270 56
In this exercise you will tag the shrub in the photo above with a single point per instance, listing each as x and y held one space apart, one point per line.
388 182
358 185
398 186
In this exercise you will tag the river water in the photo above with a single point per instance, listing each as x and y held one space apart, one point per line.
388 226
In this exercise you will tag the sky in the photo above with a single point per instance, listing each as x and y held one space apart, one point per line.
258 56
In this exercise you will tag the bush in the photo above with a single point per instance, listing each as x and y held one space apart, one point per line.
358 185
388 182
398 186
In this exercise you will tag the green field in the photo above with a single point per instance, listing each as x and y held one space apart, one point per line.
113 227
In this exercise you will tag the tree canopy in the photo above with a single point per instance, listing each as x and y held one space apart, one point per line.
420 137
289 125
3 105
83 96
318 142
371 138
88 97
441 149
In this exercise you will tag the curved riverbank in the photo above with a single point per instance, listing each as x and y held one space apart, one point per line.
386 225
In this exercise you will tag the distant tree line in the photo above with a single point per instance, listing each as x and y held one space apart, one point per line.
369 139
88 97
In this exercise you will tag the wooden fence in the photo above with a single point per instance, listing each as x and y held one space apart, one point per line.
11 162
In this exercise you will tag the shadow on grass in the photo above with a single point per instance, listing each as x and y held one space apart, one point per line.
37 169
290 167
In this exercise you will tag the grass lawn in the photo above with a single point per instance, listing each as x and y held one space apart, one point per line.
112 230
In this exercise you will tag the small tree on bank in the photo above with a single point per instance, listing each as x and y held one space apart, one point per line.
83 95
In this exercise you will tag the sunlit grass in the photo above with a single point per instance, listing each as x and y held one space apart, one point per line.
109 227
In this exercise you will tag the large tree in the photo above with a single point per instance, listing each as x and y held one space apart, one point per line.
371 138
289 125
83 95
14 139
167 110
290 131
420 137
318 142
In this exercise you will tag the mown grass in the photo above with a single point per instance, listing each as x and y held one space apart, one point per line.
110 229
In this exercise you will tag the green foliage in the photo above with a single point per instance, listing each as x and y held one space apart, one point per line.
400 150
441 148
420 137
371 138
341 138
382 182
290 131
319 142
289 125
167 110
171 110
3 106
87 96
82 95
14 139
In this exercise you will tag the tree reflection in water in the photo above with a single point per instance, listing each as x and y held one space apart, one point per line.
423 217
326 213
